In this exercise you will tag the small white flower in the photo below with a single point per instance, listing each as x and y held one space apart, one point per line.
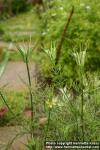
44 33
61 8
88 7
53 15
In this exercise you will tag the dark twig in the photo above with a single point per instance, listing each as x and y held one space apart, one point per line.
60 43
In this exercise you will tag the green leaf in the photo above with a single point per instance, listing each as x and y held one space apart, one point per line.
22 52
4 63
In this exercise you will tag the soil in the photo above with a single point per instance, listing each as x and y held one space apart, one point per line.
15 76
7 134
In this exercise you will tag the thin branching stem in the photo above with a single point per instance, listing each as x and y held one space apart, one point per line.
30 92
82 114
82 103
49 116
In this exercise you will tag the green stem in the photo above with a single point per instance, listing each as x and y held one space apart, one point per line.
31 96
82 103
49 115
82 115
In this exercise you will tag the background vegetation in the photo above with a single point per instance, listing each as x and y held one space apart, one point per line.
67 97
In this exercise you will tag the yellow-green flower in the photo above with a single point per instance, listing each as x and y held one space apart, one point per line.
51 103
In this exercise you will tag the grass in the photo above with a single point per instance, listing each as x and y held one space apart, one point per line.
14 28
13 55
19 29
17 102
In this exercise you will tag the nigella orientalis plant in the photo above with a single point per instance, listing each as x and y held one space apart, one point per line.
25 52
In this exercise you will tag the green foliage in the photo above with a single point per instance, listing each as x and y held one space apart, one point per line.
4 63
73 115
84 28
12 7
19 6
20 27
16 103
1 31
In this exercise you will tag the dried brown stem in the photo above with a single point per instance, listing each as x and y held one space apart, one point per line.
60 43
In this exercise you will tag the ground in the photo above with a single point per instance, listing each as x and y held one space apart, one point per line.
15 76
8 133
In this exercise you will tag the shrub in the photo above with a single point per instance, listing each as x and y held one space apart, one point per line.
19 6
11 7
84 28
